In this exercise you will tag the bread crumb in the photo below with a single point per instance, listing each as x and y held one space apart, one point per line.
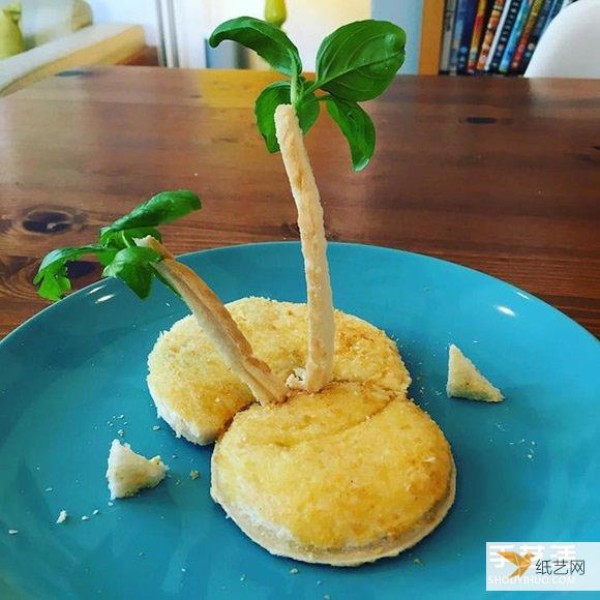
129 472
194 474
418 561
155 427
110 503
13 531
85 518
62 516
48 489
465 381
242 577
95 512
294 571
121 433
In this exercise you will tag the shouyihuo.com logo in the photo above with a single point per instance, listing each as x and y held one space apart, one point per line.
549 566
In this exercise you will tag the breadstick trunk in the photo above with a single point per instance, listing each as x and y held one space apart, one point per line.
219 326
321 326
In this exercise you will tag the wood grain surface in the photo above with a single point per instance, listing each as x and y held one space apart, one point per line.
501 175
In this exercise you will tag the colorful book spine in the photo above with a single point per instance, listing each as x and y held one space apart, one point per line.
515 34
477 34
457 31
507 28
490 33
501 30
525 35
536 34
449 18
467 33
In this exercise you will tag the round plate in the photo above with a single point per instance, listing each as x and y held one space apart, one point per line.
73 379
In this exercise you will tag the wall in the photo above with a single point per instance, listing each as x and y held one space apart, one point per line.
198 18
142 12
308 22
407 14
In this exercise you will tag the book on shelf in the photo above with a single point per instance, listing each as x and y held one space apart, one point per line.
493 36
448 28
463 29
478 26
515 34
536 34
490 33
534 13
507 20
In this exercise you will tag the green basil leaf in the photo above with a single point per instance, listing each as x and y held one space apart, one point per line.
357 127
308 112
358 61
54 286
270 98
52 276
134 265
265 39
160 209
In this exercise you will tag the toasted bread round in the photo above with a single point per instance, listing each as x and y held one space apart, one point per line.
342 477
197 395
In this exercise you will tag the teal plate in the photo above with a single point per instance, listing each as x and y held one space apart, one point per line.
71 377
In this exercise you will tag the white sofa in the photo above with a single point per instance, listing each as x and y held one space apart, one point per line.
59 35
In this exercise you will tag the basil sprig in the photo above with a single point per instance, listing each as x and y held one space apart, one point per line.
357 62
116 249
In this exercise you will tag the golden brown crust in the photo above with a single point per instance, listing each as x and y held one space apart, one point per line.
319 366
351 556
198 395
342 477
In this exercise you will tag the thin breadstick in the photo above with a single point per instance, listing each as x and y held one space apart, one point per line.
321 326
219 326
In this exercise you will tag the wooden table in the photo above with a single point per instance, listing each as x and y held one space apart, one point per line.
497 174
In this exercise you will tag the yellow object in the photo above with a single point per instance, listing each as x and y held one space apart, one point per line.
275 12
197 395
343 476
11 39
431 36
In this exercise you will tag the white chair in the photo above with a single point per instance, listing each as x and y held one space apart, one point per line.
570 47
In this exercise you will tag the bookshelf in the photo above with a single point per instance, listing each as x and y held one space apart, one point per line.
483 37
432 24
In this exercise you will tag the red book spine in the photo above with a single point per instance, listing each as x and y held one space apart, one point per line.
490 31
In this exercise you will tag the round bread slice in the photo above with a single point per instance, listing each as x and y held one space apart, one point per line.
196 393
344 476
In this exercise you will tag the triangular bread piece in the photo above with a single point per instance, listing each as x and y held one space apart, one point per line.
465 381
129 472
